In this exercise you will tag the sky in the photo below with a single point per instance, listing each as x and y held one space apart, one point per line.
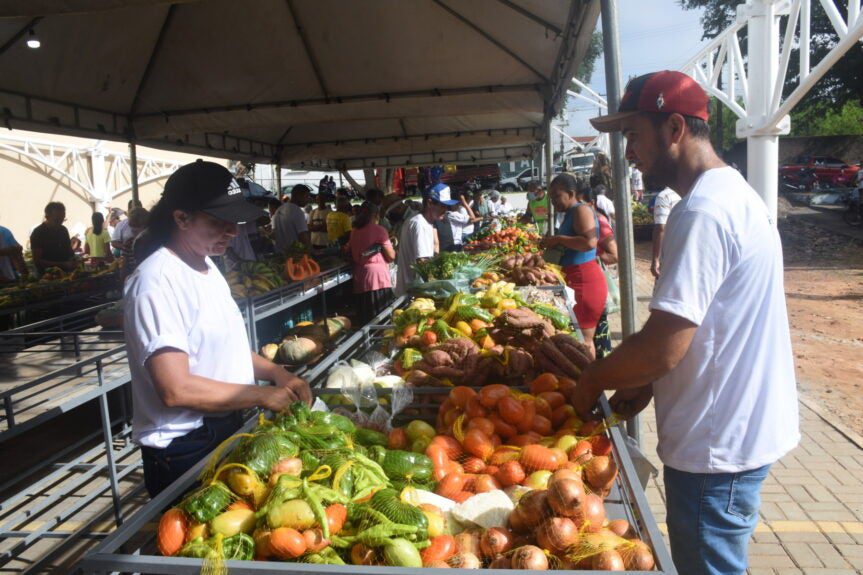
654 35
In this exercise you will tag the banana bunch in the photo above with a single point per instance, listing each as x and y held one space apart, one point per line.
250 279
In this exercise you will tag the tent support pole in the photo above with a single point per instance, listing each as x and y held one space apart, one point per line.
278 180
133 171
549 172
623 209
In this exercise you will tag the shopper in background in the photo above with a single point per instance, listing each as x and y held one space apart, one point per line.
120 235
494 203
318 222
11 257
600 172
578 236
339 222
538 207
289 221
371 252
50 242
461 220
187 346
603 202
665 202
636 183
480 206
417 236
715 354
138 220
113 219
97 241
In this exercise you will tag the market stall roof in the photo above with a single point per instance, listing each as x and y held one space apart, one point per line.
311 83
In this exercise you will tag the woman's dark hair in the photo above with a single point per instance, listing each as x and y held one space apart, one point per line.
588 195
567 181
53 206
98 221
368 211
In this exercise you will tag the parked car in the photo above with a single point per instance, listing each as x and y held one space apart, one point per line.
827 170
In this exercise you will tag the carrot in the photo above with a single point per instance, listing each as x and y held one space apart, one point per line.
172 531
536 457
287 543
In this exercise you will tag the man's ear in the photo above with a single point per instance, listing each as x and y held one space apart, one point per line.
676 126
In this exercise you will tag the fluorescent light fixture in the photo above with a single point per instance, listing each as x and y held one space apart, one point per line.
33 40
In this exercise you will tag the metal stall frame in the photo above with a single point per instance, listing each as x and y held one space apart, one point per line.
116 456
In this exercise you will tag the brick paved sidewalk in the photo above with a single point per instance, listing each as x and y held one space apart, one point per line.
812 502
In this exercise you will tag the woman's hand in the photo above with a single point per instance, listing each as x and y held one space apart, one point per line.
298 387
548 241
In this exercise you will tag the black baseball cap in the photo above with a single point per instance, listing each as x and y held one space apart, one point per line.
210 188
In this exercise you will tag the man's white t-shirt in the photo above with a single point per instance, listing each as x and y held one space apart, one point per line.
416 241
122 232
665 202
635 179
167 304
730 405
606 205
460 223
289 222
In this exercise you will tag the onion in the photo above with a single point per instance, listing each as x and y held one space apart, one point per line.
437 564
638 557
565 496
464 561
533 508
530 558
607 561
600 472
594 513
315 540
620 527
500 562
538 479
468 542
564 473
582 451
557 534
495 541
517 523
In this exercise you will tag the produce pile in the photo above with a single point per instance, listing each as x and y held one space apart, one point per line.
512 239
55 283
250 279
306 341
641 216
530 269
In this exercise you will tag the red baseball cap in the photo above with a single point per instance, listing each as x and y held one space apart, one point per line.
666 92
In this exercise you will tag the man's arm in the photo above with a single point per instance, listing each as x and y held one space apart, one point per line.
658 234
640 360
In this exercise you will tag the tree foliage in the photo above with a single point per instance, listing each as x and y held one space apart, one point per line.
843 82
587 66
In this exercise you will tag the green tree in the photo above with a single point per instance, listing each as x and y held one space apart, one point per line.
594 49
843 82
818 121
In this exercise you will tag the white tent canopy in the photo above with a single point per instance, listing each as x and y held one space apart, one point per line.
308 83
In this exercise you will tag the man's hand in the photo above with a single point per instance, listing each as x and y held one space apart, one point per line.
654 268
299 388
277 398
585 395
630 402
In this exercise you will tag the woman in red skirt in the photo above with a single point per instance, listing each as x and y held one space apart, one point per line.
577 235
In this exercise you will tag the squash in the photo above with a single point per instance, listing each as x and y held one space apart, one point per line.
298 350
313 331
269 351
335 325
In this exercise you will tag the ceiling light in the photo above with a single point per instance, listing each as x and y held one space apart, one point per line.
33 40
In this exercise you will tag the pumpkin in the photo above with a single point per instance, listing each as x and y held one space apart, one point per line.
312 331
270 350
335 325
298 350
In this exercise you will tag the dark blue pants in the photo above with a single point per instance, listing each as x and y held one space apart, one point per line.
164 466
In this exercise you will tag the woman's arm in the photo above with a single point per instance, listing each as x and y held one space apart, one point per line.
177 387
584 225
609 251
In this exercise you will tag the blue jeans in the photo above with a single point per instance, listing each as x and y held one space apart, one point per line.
164 466
711 517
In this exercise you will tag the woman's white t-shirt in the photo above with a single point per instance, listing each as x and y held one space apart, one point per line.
167 304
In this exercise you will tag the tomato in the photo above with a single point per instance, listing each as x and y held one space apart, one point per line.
491 394
541 425
450 485
542 407
588 428
561 414
438 455
601 444
450 416
511 410
474 465
453 448
428 338
565 386
485 483
475 408
460 395
526 422
397 439
554 398
478 444
337 514
545 382
501 456
502 428
510 473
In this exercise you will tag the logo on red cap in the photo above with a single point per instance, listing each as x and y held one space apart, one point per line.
660 101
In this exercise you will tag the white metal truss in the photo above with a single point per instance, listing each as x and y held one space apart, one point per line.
92 172
591 97
753 86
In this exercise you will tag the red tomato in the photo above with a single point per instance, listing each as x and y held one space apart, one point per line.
489 395
460 395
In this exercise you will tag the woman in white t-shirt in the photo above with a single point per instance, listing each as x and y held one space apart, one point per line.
189 355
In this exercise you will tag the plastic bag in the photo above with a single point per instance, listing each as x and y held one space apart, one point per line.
438 289
612 301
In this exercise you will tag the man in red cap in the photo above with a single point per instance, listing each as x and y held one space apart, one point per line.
715 354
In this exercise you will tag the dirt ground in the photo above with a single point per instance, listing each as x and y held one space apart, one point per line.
824 291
